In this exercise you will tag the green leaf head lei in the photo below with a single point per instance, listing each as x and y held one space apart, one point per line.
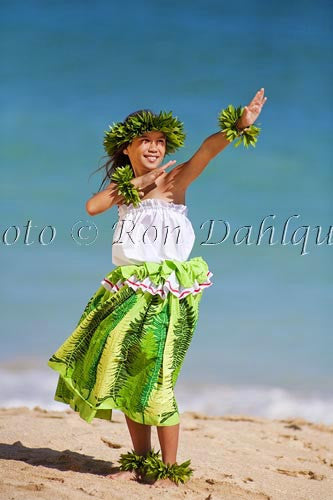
123 133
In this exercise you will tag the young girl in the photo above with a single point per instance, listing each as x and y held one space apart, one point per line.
128 347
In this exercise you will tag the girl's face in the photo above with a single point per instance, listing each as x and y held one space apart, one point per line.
147 151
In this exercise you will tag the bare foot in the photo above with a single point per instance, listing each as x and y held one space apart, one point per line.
164 483
122 474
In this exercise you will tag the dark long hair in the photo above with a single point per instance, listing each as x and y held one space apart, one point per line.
118 159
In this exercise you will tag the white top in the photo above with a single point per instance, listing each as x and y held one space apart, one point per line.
153 231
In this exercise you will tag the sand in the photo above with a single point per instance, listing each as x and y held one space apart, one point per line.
57 455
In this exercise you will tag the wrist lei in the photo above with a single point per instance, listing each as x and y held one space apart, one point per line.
227 120
122 176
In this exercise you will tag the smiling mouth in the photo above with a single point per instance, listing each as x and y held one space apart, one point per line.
151 158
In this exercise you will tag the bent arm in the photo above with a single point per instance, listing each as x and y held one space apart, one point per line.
104 200
108 197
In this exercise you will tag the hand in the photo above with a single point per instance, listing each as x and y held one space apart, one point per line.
146 179
252 110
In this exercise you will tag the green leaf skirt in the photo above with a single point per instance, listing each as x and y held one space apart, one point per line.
128 347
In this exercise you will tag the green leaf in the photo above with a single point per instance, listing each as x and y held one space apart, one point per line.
227 119
124 132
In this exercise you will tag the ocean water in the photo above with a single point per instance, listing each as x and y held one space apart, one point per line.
264 342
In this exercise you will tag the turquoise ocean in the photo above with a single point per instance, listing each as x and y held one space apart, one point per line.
264 341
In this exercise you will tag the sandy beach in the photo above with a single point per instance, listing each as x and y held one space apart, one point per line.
51 454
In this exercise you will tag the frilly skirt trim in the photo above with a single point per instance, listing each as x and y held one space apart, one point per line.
180 278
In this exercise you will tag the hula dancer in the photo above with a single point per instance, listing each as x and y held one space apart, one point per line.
129 345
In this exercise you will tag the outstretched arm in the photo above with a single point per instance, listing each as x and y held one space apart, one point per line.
188 171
